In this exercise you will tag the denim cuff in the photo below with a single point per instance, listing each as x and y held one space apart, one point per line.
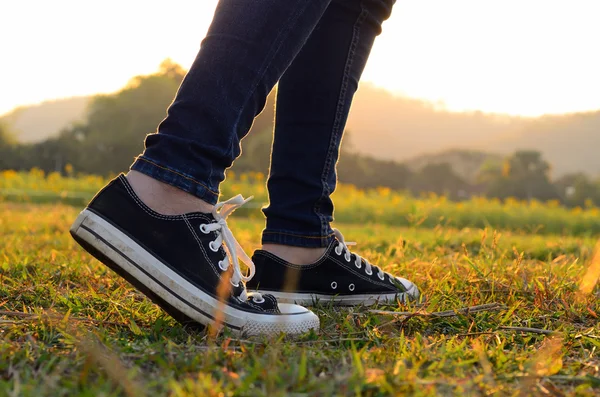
175 178
307 240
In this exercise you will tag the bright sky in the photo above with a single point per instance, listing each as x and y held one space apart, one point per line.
525 57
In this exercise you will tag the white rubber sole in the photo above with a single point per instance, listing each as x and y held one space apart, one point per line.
342 300
138 264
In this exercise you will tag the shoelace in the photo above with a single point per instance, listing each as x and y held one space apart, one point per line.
233 250
342 247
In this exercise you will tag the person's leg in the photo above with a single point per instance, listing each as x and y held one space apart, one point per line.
248 47
313 101
140 225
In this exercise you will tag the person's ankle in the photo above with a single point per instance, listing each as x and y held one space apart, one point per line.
164 198
295 255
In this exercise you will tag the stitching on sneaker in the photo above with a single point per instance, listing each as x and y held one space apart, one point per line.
153 213
189 225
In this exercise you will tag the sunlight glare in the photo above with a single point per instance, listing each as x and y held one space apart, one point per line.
518 57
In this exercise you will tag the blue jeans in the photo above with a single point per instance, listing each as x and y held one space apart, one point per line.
316 50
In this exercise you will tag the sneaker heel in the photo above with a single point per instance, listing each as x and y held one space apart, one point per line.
80 219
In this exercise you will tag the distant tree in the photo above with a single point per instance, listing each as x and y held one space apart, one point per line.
438 178
6 138
524 175
116 124
577 189
172 70
7 148
489 172
368 172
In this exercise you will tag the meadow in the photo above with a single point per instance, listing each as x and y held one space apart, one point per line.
511 305
378 206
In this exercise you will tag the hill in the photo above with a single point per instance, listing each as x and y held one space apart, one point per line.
35 123
390 127
465 163
571 143
399 128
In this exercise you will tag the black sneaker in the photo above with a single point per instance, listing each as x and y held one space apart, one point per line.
339 276
181 262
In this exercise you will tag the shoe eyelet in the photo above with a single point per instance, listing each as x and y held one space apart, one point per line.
235 285
369 271
381 276
358 265
390 280
338 252
203 229
351 287
333 285
348 258
213 247
222 266
262 300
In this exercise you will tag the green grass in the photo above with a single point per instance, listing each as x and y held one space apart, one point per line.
69 326
353 205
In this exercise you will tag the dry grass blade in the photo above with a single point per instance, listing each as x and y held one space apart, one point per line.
448 313
112 365
529 330
592 274
547 362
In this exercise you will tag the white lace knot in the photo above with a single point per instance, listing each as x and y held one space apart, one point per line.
233 250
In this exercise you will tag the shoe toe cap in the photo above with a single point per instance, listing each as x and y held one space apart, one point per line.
411 289
290 308
292 319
